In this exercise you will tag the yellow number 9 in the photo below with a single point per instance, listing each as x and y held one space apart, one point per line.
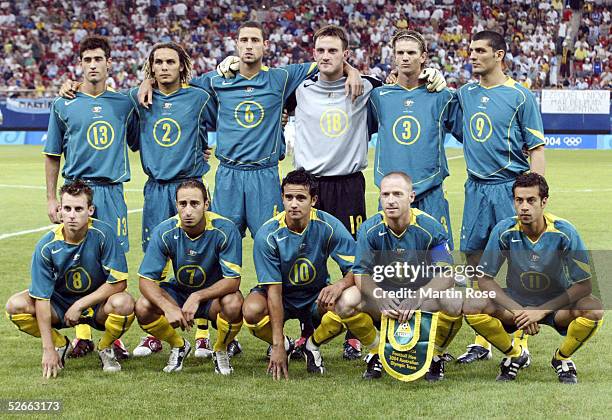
480 124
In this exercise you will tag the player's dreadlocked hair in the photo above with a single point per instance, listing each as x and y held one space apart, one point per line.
184 60
409 35
532 179
76 188
301 177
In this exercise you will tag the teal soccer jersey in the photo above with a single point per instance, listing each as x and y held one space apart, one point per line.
423 243
173 133
537 271
197 262
412 124
500 124
249 130
298 261
92 132
66 272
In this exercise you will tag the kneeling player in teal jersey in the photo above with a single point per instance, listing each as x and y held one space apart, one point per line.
206 254
79 275
412 124
291 252
502 128
548 282
405 234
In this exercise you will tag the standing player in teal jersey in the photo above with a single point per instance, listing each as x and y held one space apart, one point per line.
249 130
419 240
173 132
206 254
92 128
79 275
502 126
291 251
548 281
412 124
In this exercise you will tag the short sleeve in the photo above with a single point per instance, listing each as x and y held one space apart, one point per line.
453 118
113 259
577 259
155 258
530 121
54 145
230 254
493 256
204 81
364 254
342 248
267 260
297 73
43 279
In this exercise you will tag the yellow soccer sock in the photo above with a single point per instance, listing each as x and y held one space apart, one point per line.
225 333
162 329
28 324
520 338
330 327
482 342
362 326
447 328
83 332
114 327
202 328
579 331
261 330
493 331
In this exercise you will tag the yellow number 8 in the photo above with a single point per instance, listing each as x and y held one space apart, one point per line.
77 282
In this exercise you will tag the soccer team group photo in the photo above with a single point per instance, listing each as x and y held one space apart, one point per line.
347 202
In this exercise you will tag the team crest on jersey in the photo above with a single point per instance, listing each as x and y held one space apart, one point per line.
96 109
76 257
250 89
484 100
191 253
331 95
535 257
167 105
408 103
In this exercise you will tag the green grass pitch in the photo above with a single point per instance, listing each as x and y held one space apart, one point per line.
580 192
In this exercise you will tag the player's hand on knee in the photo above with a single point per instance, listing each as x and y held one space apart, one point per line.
176 319
434 78
190 307
72 315
278 367
69 89
53 210
329 295
51 363
229 67
145 93
529 315
532 329
392 77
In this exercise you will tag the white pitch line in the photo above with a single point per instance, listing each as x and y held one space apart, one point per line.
40 187
43 228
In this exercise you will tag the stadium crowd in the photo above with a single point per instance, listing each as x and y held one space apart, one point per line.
550 44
